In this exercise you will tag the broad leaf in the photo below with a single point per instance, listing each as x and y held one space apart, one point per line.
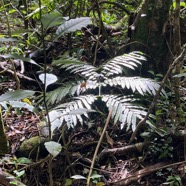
19 104
53 147
50 78
16 95
52 19
73 25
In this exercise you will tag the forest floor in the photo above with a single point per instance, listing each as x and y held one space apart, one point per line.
118 162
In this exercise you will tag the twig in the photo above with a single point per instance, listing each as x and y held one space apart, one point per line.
5 69
97 147
171 67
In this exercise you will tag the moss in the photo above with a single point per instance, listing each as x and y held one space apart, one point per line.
32 147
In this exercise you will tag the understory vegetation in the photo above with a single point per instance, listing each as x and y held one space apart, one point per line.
92 92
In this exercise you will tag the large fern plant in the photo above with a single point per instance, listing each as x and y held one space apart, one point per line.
112 75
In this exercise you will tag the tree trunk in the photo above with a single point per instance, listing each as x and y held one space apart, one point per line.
152 32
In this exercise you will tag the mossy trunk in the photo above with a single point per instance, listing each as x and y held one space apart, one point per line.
152 32
3 139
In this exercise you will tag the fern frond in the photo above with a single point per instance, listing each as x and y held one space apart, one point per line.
76 66
81 102
139 84
58 94
116 65
123 110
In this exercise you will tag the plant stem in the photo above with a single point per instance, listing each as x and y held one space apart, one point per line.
44 98
97 147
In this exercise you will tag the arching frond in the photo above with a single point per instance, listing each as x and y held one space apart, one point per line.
124 111
58 94
67 111
76 66
139 84
66 60
117 64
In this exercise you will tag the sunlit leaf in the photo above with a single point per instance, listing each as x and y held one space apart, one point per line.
78 177
50 78
16 95
53 147
19 104
72 25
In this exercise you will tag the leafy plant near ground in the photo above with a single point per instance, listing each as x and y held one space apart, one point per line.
109 77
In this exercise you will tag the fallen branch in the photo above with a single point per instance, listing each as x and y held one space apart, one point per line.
144 172
138 147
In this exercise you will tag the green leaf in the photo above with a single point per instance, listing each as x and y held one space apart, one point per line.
16 95
72 25
19 173
24 160
52 19
53 147
34 12
94 176
68 182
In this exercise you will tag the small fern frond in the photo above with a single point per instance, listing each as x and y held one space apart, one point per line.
116 65
76 66
139 84
58 94
124 111
81 102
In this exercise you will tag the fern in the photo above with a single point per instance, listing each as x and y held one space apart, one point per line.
77 67
125 109
82 102
69 88
117 64
141 85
